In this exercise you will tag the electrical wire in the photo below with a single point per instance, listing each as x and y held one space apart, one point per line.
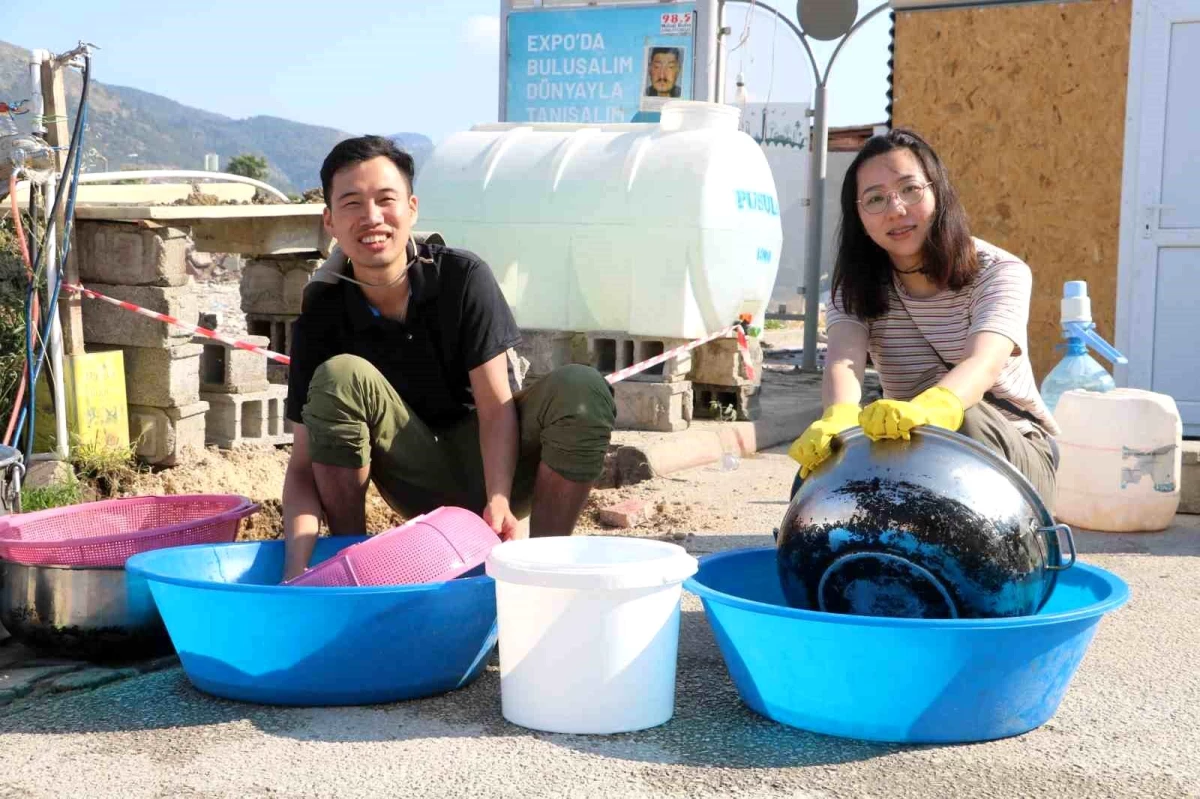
745 37
63 251
72 164
771 80
28 261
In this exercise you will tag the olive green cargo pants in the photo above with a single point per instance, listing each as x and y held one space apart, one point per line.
354 417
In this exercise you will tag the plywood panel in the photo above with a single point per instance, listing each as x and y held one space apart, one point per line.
1026 105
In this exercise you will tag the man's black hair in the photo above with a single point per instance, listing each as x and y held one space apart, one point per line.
354 151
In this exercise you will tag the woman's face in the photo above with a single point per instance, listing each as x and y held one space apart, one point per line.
886 184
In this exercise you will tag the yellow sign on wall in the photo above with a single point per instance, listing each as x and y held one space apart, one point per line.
97 410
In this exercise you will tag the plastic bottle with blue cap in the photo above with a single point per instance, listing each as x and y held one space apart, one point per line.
1078 369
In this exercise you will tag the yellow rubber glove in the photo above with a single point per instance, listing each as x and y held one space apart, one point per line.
938 406
812 447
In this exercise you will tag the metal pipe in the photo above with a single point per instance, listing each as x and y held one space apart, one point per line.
502 112
708 45
816 218
191 174
816 208
853 29
722 58
36 58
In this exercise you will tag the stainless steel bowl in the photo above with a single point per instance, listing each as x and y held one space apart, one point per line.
89 613
935 527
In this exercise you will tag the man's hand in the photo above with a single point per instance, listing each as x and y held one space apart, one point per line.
500 518
891 419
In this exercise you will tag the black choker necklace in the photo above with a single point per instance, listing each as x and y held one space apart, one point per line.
918 270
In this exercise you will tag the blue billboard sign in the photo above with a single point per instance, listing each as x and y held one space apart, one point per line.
598 64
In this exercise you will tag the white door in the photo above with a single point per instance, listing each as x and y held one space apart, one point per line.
1158 312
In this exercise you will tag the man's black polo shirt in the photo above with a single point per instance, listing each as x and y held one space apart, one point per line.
457 320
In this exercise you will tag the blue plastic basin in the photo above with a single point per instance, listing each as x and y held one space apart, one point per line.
898 680
241 636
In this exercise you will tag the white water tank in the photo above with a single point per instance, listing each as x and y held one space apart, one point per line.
1120 460
669 229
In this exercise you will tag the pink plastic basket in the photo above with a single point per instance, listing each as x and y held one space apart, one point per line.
107 533
440 545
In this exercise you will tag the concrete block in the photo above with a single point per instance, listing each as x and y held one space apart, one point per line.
275 285
301 233
721 363
276 327
547 350
43 474
229 370
91 678
294 281
248 420
1189 479
107 324
262 288
728 403
629 513
165 436
610 352
277 373
665 407
162 377
19 682
122 254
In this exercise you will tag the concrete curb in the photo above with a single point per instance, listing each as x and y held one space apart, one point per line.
789 405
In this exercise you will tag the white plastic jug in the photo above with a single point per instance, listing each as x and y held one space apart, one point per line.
669 229
589 631
1120 459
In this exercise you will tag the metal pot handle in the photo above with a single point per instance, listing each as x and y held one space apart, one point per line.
10 497
1055 531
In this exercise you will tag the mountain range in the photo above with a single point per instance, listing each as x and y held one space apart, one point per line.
128 129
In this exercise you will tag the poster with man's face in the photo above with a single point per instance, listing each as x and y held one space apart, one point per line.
663 76
600 64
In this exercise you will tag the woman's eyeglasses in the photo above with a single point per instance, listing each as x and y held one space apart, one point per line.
876 202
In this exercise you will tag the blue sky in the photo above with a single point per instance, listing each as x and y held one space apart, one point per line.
370 67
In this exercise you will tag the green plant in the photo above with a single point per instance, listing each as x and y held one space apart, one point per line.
721 411
773 324
51 496
13 288
107 467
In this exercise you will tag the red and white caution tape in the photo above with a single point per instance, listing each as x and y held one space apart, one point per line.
615 377
171 320
743 345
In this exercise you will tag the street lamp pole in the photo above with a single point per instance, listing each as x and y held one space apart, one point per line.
817 172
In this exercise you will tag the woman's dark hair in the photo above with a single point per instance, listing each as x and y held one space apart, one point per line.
862 272
354 151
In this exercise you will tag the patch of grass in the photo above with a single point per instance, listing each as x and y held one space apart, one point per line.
773 324
108 468
54 496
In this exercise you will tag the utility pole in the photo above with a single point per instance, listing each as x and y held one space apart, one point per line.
827 21
58 135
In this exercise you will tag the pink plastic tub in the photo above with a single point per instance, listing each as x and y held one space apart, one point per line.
107 533
437 546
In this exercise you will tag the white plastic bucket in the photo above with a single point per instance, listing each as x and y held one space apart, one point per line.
589 631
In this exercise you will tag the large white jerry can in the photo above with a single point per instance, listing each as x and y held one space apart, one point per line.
1120 460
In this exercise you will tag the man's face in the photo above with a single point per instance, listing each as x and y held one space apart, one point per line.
664 71
371 212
